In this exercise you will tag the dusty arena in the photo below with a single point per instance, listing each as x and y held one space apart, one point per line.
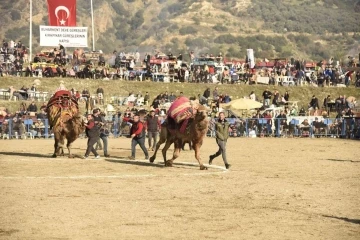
275 189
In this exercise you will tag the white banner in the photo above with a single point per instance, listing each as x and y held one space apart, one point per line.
51 36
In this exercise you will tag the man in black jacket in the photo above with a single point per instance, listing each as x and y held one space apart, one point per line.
267 96
93 133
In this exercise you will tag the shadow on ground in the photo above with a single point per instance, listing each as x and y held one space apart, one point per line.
341 160
355 221
36 155
156 164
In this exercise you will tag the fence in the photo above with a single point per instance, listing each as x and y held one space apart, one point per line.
348 127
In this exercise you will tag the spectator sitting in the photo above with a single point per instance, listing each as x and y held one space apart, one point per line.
202 100
18 128
32 108
226 99
319 127
302 112
5 129
305 128
314 103
38 128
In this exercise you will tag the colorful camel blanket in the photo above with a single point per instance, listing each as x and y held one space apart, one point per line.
181 111
62 99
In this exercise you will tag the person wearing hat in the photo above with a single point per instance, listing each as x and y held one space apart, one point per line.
152 126
104 132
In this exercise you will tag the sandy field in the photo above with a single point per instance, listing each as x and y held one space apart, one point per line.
275 189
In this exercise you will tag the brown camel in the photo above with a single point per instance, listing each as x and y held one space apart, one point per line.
194 133
65 121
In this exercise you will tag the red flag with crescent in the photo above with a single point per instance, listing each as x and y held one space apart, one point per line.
62 13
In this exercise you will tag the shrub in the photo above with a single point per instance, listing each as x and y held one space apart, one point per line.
187 30
220 28
15 15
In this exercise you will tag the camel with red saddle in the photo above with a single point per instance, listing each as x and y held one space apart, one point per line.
65 120
186 122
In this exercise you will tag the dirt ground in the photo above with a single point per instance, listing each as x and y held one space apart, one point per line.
275 189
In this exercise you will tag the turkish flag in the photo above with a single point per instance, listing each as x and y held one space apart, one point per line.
62 13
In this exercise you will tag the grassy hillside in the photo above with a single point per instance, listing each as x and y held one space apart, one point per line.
274 28
123 88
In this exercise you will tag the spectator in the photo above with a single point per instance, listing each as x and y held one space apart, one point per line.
275 101
314 103
326 102
32 107
85 95
172 97
267 96
146 98
252 96
286 96
5 129
216 93
18 128
207 93
152 127
100 94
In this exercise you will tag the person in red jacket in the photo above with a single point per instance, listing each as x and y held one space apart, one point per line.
137 132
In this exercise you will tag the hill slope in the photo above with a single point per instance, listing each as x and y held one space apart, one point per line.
274 28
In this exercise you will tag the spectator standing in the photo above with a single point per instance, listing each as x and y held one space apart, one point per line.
286 96
326 102
216 93
275 101
252 96
222 134
93 134
100 94
146 98
152 127
267 96
137 132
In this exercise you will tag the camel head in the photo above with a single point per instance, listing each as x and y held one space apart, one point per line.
200 118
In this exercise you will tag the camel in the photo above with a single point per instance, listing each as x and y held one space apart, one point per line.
194 133
65 121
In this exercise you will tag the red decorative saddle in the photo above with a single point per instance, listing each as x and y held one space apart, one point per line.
63 99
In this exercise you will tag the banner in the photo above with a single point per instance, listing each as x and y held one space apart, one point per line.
67 36
62 13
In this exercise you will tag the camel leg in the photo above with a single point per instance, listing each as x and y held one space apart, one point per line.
55 147
61 146
68 145
177 149
164 150
161 141
163 137
196 147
